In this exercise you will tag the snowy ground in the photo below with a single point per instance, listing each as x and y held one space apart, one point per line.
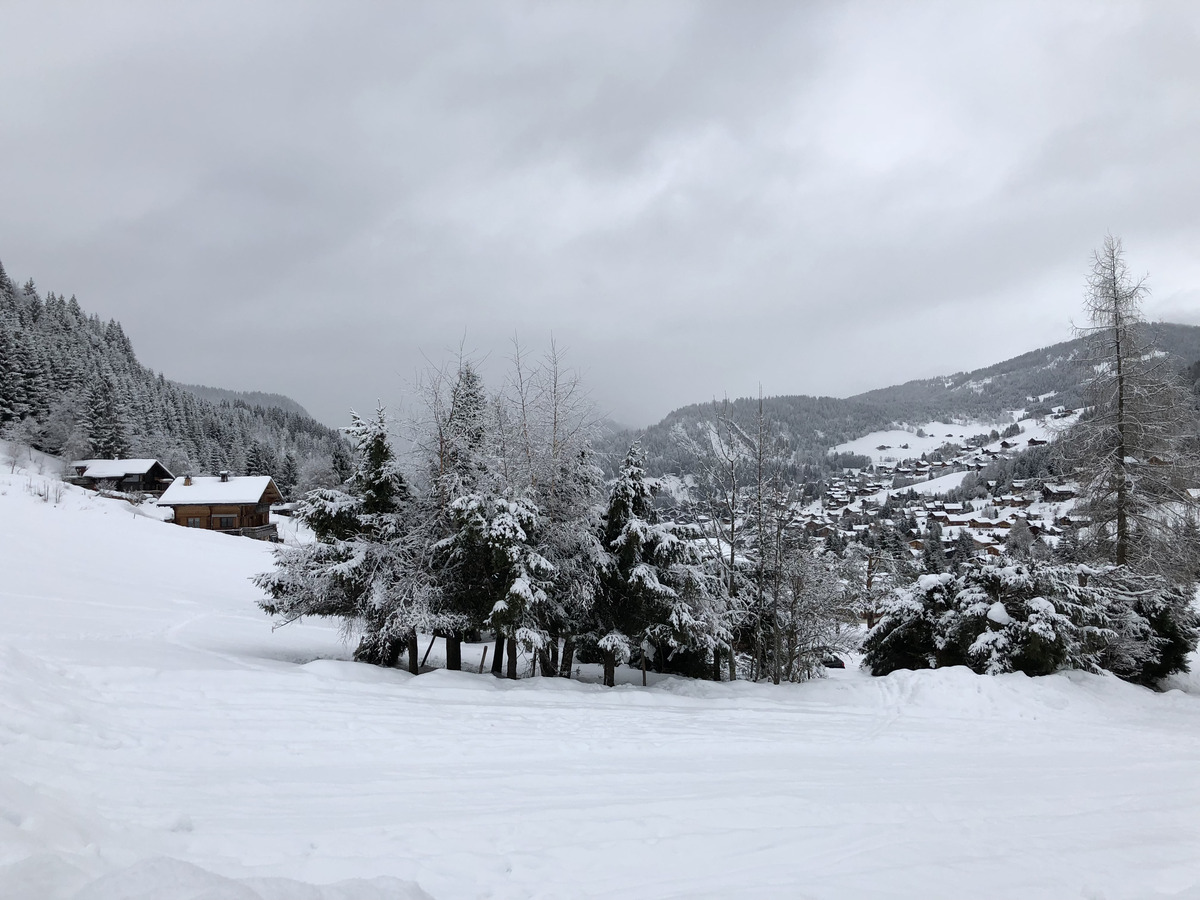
159 741
900 444
934 486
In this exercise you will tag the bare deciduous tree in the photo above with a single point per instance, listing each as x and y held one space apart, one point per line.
723 484
1133 449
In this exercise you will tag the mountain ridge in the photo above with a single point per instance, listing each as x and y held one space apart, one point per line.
806 427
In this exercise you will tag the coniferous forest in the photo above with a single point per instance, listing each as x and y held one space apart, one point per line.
71 385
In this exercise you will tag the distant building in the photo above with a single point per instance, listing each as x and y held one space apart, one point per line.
1057 493
146 476
232 504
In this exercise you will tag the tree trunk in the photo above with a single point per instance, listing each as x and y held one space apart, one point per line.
512 659
778 650
610 668
414 662
498 656
547 663
554 653
732 665
568 658
454 652
1122 547
716 663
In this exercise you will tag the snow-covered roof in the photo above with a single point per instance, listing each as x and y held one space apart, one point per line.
210 490
114 468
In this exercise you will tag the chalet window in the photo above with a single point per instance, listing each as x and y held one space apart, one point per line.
222 522
193 522
263 508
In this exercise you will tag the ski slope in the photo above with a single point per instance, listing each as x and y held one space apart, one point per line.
158 740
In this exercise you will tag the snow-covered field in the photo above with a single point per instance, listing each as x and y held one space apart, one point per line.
900 444
158 741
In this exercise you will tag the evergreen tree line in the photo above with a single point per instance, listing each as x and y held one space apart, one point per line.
1037 617
500 524
71 385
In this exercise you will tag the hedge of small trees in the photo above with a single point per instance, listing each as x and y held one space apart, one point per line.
1037 618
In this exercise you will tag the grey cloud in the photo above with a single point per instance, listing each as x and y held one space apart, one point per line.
693 197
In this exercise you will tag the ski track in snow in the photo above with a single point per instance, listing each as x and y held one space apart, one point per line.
159 740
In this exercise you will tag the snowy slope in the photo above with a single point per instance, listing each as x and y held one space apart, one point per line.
158 740
898 444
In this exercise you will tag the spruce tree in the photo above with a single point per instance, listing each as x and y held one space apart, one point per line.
368 566
260 460
458 458
289 475
105 423
655 591
933 556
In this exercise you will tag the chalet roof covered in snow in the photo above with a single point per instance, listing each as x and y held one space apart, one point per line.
1059 488
115 468
212 490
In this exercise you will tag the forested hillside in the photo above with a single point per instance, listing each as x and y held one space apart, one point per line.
71 384
1008 385
247 398
806 427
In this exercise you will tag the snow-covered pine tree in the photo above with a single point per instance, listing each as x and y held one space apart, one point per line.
12 387
1036 618
453 439
341 463
500 577
105 423
1019 540
8 293
963 551
933 554
259 459
369 565
289 475
656 592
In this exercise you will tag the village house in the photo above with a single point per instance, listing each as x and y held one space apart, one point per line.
231 504
145 476
1057 493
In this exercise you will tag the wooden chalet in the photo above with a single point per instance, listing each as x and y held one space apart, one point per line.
230 504
1057 493
145 476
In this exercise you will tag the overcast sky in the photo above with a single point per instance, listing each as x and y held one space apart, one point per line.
693 198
